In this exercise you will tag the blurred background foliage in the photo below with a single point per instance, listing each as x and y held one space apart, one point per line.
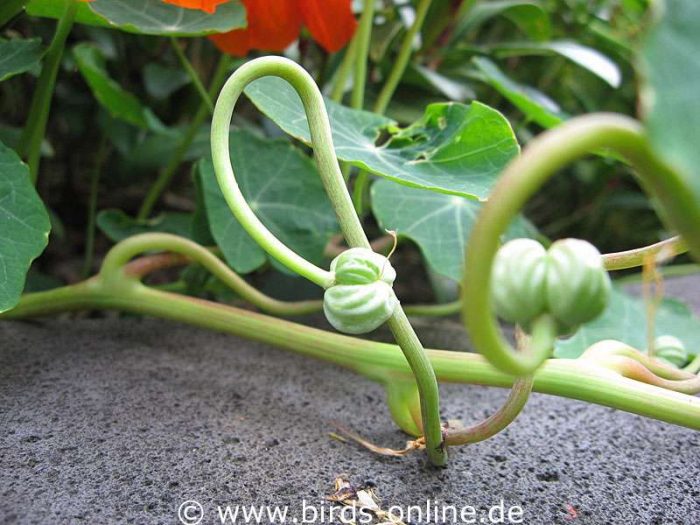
537 62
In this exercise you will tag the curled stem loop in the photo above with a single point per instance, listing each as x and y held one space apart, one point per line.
335 187
543 157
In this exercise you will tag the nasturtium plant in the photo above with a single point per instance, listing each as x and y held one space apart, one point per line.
178 196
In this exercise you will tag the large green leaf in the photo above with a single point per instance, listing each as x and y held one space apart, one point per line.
536 106
24 226
18 56
155 17
150 17
118 102
283 188
56 8
455 148
439 224
625 320
670 95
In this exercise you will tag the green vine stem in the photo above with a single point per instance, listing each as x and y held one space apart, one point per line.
401 61
633 258
344 70
574 378
496 422
542 158
336 189
165 176
192 73
363 36
122 253
193 252
35 127
189 251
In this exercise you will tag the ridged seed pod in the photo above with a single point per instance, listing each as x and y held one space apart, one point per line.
671 350
578 286
362 298
518 291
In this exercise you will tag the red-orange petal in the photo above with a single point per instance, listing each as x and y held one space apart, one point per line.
208 6
236 43
272 26
330 22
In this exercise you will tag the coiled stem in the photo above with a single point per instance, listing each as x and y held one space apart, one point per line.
351 227
522 178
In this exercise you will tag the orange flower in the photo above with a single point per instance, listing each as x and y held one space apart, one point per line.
274 24
203 5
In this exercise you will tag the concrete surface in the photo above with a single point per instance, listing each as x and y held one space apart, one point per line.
123 420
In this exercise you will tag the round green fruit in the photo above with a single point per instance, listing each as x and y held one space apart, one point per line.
362 298
578 286
518 289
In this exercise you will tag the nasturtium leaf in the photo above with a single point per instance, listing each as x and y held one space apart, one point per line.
284 190
117 225
148 17
118 102
528 15
671 60
162 81
536 106
18 56
439 224
584 56
455 148
625 319
56 8
155 17
24 226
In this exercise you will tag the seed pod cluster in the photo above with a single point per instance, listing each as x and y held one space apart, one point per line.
568 281
362 297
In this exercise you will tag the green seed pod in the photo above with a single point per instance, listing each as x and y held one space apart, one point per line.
671 350
362 298
578 286
518 283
